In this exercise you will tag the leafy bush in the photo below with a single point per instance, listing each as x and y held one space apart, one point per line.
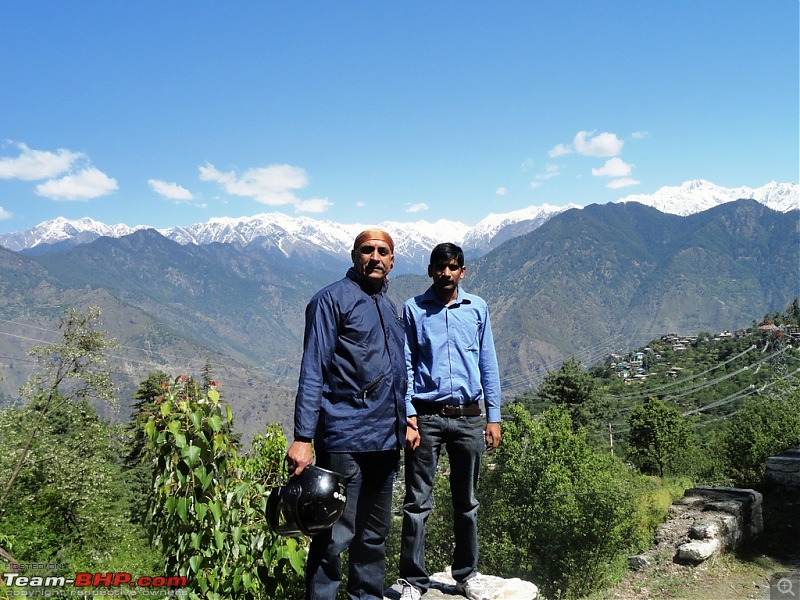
208 507
556 512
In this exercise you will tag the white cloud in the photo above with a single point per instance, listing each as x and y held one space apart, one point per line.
559 150
640 135
314 205
615 184
360 204
550 172
603 144
588 144
272 185
614 167
32 165
69 175
527 164
420 206
85 184
501 191
4 214
173 191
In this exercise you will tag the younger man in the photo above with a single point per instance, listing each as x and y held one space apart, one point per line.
452 368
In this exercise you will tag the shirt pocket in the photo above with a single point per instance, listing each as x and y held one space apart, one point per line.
472 337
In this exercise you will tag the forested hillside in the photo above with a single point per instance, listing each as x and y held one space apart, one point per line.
173 494
609 278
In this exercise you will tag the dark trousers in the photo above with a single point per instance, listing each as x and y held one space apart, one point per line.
463 438
362 528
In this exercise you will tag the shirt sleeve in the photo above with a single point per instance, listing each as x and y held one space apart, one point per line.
490 372
319 343
411 352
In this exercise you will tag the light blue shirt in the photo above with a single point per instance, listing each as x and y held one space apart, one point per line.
450 355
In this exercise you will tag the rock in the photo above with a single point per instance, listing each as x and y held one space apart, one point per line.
704 531
743 504
698 551
639 562
443 587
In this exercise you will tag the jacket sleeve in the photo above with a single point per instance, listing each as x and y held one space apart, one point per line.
319 343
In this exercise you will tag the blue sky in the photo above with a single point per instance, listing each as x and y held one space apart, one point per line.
172 113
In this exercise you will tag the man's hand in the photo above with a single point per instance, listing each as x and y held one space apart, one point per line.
300 455
492 435
412 434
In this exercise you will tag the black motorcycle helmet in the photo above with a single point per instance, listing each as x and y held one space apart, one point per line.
309 503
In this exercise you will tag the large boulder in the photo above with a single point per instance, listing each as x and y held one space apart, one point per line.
443 587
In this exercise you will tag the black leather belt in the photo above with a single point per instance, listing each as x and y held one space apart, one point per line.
448 410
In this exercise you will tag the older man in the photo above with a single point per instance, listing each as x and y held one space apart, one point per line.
351 404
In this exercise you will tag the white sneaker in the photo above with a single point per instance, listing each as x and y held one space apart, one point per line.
472 589
409 591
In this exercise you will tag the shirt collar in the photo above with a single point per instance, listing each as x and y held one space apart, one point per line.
430 296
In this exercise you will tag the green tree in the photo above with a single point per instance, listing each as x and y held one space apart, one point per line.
658 435
65 498
72 369
206 378
573 387
793 312
69 504
764 427
139 473
569 385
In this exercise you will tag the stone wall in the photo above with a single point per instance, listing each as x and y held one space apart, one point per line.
707 520
784 469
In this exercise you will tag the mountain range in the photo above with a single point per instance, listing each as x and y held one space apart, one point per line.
329 241
583 283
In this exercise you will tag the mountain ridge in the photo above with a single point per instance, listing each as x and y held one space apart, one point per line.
303 235
586 283
625 273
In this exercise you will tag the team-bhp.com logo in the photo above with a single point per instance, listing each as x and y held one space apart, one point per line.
93 580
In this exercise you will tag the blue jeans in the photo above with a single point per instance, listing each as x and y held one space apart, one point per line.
463 439
362 529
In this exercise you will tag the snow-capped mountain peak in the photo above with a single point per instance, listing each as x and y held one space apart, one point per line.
699 195
413 240
61 230
494 228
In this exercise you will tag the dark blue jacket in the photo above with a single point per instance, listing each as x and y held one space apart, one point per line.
351 395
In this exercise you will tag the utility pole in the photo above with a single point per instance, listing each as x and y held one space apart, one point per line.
611 438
